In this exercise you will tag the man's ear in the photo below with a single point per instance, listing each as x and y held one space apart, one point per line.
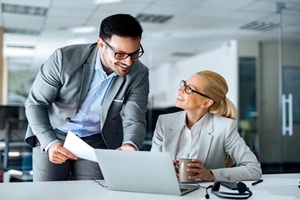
100 43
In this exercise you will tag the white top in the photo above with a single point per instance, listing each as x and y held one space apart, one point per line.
188 146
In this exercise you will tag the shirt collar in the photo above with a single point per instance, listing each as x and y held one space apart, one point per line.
199 123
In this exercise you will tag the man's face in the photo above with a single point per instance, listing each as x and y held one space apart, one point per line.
114 53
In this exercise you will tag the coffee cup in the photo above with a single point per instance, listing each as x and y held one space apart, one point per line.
182 170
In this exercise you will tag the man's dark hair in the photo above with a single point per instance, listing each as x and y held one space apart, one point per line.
123 25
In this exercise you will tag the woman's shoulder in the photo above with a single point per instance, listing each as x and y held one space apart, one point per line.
171 120
171 115
221 119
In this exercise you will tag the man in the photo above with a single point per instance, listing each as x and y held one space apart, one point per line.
98 91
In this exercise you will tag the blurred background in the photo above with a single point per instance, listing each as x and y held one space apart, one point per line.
254 44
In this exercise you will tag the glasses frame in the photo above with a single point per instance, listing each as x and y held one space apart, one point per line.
189 90
140 52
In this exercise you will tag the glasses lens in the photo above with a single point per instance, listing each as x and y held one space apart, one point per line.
187 89
121 56
136 55
182 84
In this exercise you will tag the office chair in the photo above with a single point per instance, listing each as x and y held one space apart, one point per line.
17 155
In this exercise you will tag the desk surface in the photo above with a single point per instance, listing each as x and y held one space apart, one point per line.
275 184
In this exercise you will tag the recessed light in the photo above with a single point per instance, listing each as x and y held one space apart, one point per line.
76 41
86 29
106 1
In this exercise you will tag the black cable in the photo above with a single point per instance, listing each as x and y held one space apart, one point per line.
104 186
206 190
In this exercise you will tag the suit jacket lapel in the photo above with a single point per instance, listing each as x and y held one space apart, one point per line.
111 94
88 70
205 138
173 135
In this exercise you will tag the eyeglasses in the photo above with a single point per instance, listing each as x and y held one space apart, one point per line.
189 90
121 56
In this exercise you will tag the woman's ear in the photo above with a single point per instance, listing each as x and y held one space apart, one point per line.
207 103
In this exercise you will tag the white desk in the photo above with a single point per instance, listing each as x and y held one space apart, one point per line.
277 184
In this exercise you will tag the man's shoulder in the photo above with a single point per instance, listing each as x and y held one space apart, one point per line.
78 52
78 47
139 66
138 69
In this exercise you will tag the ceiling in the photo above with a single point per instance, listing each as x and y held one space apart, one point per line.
33 29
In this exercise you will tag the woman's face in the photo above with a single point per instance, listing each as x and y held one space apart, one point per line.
188 98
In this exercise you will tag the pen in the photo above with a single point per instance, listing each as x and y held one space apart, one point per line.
257 182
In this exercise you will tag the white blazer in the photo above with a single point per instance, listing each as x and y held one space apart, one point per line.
218 138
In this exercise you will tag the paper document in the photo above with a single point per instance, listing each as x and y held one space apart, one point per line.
79 147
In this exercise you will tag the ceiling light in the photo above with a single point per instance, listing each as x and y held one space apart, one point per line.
106 1
86 29
76 41
153 18
20 46
25 10
183 54
260 26
21 31
20 52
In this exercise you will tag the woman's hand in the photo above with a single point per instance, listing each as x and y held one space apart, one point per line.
200 171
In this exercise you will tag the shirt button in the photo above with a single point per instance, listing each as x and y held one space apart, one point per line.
68 119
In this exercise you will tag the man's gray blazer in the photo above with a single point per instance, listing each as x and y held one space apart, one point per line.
62 85
218 137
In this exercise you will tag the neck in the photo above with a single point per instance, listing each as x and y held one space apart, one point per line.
104 64
193 117
107 70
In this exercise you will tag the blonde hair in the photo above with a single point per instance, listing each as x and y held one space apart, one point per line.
216 88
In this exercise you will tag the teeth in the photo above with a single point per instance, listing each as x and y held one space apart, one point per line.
179 97
122 65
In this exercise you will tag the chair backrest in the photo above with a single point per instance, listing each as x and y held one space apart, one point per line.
17 154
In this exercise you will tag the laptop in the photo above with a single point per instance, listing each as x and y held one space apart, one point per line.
141 171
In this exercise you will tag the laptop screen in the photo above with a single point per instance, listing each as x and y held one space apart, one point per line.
139 171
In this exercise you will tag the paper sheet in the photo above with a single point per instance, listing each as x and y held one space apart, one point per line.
80 148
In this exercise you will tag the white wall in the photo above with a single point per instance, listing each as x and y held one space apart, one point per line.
248 49
165 79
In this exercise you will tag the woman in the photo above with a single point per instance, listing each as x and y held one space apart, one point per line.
206 131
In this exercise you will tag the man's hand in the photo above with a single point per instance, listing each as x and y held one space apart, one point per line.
127 147
58 154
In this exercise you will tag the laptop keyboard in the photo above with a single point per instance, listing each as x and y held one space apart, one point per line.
182 189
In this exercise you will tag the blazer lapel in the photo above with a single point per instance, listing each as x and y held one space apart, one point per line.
205 138
111 94
88 70
173 135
